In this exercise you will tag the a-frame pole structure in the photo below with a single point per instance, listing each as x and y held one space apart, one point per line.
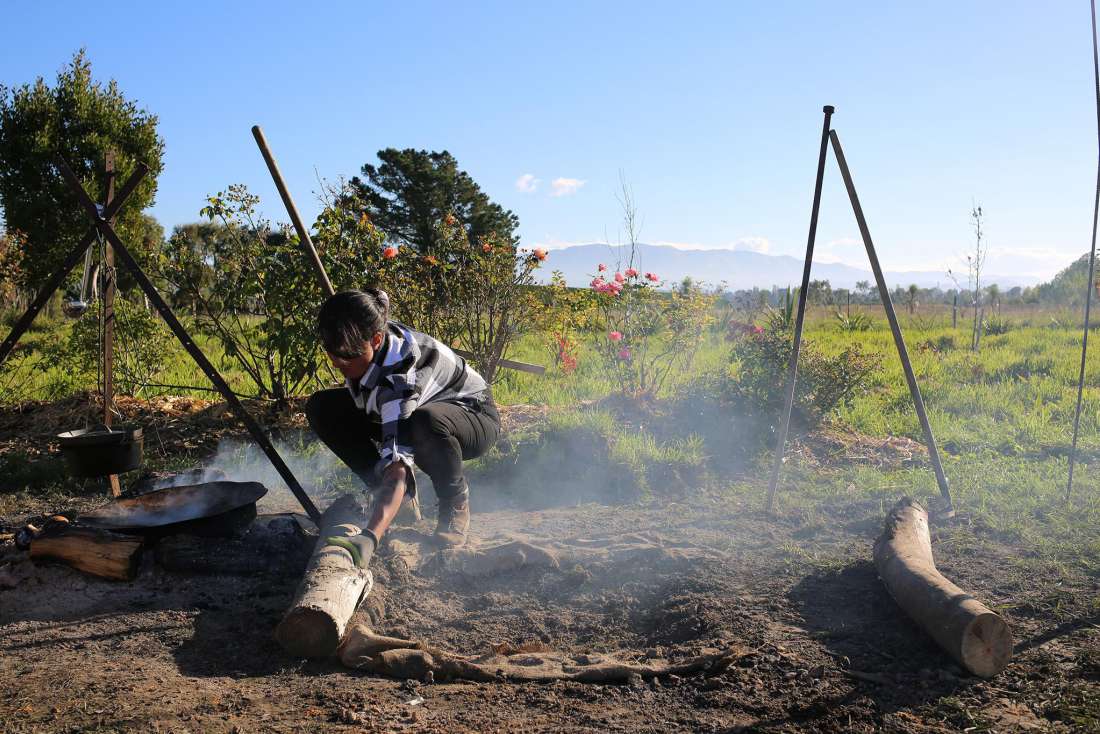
830 136
59 275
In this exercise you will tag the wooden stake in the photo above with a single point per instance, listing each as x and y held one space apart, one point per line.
109 317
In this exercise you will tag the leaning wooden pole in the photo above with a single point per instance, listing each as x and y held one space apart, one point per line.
332 588
975 636
895 328
792 369
109 285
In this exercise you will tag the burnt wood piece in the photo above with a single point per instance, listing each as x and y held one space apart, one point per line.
275 545
230 524
100 553
332 588
975 636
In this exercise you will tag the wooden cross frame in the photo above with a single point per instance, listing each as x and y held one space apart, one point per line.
101 218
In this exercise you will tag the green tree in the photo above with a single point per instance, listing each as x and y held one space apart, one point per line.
11 259
410 193
81 119
820 293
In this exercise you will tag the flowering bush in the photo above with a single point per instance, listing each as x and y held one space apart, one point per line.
647 333
563 312
476 295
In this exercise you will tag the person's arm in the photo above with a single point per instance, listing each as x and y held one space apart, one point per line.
388 500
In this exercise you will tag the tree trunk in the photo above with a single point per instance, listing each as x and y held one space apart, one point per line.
332 588
978 638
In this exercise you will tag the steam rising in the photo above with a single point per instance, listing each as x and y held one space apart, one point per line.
317 468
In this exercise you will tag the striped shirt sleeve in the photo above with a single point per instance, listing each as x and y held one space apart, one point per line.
398 395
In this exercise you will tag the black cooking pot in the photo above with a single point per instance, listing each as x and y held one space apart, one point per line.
100 451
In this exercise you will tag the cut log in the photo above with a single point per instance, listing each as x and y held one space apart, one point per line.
332 588
975 636
100 553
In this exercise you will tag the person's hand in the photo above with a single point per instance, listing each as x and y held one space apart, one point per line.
361 547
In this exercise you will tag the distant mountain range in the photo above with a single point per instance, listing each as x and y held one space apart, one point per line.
739 269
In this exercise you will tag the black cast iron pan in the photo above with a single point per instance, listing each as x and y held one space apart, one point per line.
180 509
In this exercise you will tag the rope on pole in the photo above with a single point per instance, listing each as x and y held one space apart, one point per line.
1092 262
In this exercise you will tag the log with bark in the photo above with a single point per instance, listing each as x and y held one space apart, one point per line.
100 553
975 636
332 588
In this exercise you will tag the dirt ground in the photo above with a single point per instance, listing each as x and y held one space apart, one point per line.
826 647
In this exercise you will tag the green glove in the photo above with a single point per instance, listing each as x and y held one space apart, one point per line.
361 547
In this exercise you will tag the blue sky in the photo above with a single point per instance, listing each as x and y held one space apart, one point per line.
712 111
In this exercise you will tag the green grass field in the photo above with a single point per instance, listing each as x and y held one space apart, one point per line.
1002 416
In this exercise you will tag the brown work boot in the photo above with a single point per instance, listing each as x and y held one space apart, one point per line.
454 520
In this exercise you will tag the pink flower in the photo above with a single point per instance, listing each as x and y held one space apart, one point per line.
624 353
598 283
539 253
652 276
757 330
615 336
615 288
620 278
631 273
390 252
601 267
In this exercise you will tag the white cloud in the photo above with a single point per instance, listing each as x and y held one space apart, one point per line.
753 244
843 251
565 186
527 183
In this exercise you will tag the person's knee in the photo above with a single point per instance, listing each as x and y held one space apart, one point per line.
316 413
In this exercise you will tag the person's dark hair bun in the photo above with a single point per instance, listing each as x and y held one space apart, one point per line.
381 299
349 318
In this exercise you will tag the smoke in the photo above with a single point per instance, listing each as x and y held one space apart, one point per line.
317 469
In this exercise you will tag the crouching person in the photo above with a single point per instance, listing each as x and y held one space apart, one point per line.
407 395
